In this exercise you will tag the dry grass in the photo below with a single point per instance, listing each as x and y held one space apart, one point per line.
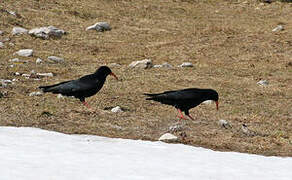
230 43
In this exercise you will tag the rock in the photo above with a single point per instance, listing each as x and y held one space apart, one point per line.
164 65
175 128
168 137
100 26
208 102
263 83
39 93
47 32
45 74
4 82
11 44
246 131
26 75
145 64
186 64
60 96
224 123
16 60
116 109
56 59
17 74
278 28
25 52
2 45
114 65
38 61
1 33
19 30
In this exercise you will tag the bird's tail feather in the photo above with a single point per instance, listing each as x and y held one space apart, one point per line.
47 88
151 96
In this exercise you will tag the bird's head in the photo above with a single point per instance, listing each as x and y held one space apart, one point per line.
105 71
213 95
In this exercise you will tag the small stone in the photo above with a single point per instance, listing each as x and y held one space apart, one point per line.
263 83
2 45
38 61
1 33
164 65
175 128
207 102
26 75
45 74
11 44
16 60
25 52
168 137
19 30
114 65
224 123
186 64
39 93
145 64
60 96
56 59
47 32
17 74
278 28
246 131
116 109
100 26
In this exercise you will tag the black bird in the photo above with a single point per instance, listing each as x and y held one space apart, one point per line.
185 99
83 87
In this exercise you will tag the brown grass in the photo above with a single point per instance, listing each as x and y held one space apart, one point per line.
229 42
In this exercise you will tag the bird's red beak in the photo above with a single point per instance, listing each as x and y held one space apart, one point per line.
217 105
114 75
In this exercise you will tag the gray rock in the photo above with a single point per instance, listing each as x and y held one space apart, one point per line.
168 137
100 26
246 131
19 30
224 123
145 64
186 64
39 93
1 33
164 65
208 102
45 74
47 32
56 59
60 96
2 45
26 75
278 28
16 60
116 109
38 61
263 83
17 74
114 65
25 52
175 128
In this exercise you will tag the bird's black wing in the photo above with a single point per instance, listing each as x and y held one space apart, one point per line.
178 97
68 88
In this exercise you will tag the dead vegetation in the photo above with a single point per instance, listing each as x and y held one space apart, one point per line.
231 44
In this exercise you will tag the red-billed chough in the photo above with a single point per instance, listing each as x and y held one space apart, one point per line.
185 99
83 87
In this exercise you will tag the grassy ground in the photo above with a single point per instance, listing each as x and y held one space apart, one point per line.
231 44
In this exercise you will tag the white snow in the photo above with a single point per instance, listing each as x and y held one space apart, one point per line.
33 154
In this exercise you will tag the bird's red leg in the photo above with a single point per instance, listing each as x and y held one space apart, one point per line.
191 117
85 104
180 115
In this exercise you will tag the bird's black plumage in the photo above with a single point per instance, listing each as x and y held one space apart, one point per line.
83 87
185 99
